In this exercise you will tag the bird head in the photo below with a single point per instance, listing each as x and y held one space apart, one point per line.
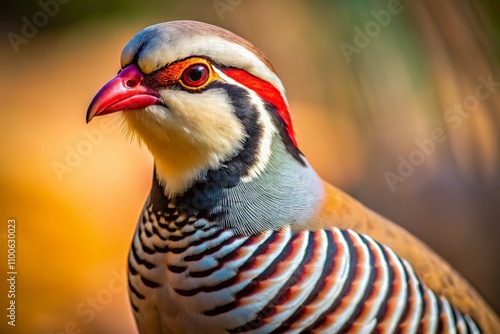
198 96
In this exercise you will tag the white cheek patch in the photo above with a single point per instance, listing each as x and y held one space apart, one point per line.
200 133
194 133
147 125
210 118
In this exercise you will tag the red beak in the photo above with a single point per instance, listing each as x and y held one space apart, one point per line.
126 91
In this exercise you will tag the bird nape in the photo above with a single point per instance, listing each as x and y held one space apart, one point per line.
239 234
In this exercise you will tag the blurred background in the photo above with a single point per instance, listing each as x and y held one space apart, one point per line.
397 103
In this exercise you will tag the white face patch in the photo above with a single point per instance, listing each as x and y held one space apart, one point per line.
197 132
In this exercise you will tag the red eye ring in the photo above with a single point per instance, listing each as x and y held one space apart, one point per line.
195 75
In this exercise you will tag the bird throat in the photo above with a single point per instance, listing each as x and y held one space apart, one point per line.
287 192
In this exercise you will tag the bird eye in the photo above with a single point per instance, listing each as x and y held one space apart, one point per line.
195 75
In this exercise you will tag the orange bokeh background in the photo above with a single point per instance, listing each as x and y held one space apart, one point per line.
76 189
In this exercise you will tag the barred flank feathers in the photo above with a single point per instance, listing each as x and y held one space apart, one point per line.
328 281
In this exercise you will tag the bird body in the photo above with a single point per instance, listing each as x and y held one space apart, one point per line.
239 234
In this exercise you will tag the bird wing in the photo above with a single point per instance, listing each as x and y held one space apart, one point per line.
342 211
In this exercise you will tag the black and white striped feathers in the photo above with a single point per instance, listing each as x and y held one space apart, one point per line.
189 275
